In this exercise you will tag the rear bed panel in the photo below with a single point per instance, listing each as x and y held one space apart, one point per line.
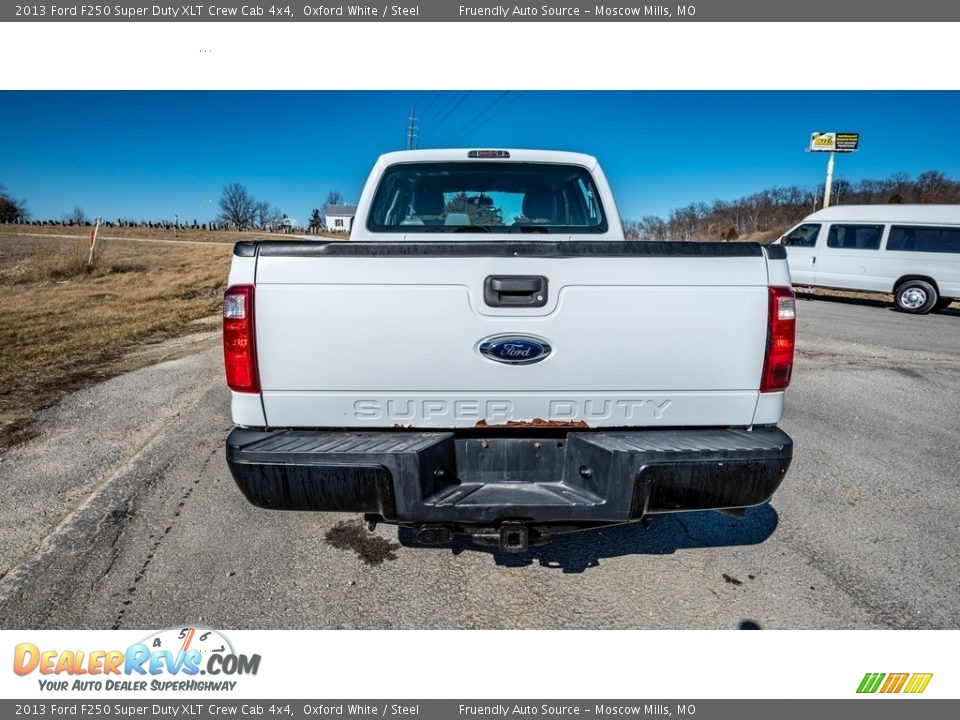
636 340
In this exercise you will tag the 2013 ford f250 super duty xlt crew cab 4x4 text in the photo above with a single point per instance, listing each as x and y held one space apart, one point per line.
487 355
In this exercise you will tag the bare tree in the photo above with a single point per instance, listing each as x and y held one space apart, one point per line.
652 228
76 217
266 215
12 211
237 207
933 187
631 229
899 188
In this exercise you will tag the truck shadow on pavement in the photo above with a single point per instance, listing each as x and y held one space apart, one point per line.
666 534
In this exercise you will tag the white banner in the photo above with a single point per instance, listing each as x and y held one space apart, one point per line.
371 664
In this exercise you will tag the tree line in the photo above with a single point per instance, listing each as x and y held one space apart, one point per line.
238 210
769 213
760 216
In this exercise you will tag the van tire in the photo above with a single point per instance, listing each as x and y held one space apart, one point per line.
917 297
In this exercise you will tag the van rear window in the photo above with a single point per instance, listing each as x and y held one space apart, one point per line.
855 237
909 238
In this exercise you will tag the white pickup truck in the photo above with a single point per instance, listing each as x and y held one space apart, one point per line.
486 355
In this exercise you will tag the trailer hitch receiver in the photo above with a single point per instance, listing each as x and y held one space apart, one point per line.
514 538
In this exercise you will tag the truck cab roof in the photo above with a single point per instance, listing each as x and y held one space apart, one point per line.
504 154
893 213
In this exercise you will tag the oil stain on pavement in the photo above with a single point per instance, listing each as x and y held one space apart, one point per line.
352 535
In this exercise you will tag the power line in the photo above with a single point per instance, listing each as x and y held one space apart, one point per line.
444 101
436 126
501 109
434 96
454 136
437 100
444 109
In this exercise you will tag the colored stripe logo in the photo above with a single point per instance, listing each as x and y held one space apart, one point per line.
913 683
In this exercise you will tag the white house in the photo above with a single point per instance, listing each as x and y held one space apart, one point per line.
339 217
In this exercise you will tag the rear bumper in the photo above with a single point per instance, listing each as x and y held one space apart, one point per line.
580 478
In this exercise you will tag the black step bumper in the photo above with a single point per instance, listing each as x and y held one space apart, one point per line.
580 478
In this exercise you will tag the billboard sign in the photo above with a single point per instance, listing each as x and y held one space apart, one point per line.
834 142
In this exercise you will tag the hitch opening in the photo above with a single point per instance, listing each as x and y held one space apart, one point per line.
514 538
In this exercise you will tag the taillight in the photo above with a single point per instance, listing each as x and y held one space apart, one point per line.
239 346
781 331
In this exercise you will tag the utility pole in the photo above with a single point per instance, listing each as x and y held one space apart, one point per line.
829 183
412 128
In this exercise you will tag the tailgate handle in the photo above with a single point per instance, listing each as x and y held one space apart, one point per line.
515 290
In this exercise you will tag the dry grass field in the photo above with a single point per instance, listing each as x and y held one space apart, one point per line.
63 327
144 233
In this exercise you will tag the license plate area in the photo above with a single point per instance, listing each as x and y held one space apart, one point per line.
511 460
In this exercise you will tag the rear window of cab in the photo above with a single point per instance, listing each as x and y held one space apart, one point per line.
486 197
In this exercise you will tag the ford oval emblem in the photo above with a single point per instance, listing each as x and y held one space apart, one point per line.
515 349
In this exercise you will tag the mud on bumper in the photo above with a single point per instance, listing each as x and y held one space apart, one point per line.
445 480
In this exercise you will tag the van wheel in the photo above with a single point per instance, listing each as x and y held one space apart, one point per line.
915 296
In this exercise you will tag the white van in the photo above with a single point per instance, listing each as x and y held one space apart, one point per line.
912 251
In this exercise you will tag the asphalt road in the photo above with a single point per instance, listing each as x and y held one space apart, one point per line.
121 514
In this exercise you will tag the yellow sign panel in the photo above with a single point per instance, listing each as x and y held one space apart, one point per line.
834 142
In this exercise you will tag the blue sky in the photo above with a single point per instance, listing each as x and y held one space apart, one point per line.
150 155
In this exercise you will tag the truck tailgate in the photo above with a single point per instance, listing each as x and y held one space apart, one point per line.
638 338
